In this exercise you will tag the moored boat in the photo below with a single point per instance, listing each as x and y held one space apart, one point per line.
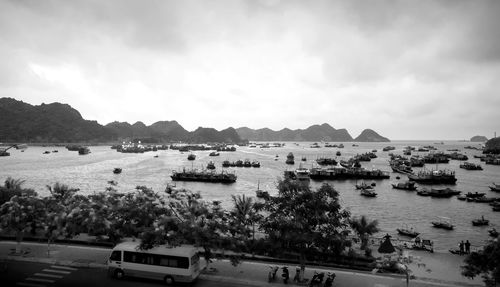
471 166
214 153
434 177
495 187
407 185
368 193
210 165
290 159
410 232
191 156
203 176
443 224
480 221
444 192
83 150
117 170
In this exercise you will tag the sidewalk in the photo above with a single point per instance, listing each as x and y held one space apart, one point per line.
248 273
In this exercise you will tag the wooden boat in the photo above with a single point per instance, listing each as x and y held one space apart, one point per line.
475 194
117 170
495 187
443 224
203 176
493 232
444 192
471 166
368 193
255 163
363 185
46 152
424 192
290 159
191 156
211 165
481 221
407 185
408 232
462 197
83 150
214 153
434 177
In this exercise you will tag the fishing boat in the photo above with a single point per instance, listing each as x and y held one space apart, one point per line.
336 173
443 223
475 194
493 232
255 163
302 174
247 163
203 176
214 153
46 152
304 158
410 232
368 193
326 161
495 187
117 170
434 177
191 156
480 221
83 150
261 193
443 192
210 165
471 166
407 185
363 185
290 159
423 192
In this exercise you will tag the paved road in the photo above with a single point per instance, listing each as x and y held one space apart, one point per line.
32 274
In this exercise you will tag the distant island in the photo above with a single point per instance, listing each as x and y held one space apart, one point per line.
60 123
478 139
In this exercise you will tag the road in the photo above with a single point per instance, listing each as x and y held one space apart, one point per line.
33 274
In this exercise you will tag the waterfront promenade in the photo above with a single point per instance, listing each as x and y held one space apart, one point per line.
438 269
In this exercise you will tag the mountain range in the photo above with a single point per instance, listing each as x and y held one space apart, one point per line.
56 122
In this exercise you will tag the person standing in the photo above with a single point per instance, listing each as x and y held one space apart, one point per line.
461 247
467 247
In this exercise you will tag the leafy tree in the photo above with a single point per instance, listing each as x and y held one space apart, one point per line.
190 220
21 214
58 207
301 219
244 216
485 262
13 187
364 228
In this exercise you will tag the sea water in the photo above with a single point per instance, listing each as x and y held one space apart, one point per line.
392 208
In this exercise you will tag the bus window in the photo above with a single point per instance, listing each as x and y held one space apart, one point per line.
116 256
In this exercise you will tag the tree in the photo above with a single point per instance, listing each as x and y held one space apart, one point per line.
302 220
13 187
485 262
244 216
58 207
21 214
364 228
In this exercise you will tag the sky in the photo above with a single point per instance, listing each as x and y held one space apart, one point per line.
406 69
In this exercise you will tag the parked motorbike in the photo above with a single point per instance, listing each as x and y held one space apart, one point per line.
317 279
285 274
272 273
329 279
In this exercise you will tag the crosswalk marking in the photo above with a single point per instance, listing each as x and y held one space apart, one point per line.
48 275
56 271
30 284
40 280
63 268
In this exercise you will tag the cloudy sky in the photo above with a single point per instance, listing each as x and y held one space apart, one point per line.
407 69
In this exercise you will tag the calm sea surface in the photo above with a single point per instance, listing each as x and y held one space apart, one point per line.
392 208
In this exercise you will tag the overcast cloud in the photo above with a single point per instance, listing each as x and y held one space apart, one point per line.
407 69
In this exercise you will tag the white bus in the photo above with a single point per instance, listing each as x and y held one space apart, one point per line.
176 264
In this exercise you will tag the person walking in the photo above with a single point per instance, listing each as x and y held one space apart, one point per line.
461 247
467 247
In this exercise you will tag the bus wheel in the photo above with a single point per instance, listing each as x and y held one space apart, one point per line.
169 280
119 274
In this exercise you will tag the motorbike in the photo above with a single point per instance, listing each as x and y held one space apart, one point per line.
329 279
285 275
272 273
317 279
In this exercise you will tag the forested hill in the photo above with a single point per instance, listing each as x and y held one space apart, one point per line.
60 123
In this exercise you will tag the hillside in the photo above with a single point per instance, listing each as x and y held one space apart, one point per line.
478 139
60 123
369 135
323 132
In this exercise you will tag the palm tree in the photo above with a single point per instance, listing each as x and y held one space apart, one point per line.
12 184
244 212
364 228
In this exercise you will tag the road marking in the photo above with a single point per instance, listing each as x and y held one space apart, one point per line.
63 267
30 284
40 280
56 271
48 275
